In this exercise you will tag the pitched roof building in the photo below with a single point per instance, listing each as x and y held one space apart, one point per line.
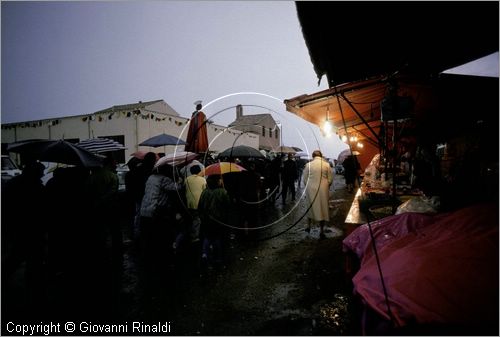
128 124
152 106
263 125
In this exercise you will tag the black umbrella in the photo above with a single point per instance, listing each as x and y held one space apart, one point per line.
241 151
57 151
162 140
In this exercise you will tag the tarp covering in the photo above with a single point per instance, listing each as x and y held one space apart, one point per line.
437 268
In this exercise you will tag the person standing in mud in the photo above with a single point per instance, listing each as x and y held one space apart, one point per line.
194 185
351 169
274 178
249 193
213 207
301 163
102 188
318 177
23 233
158 220
157 213
135 182
288 177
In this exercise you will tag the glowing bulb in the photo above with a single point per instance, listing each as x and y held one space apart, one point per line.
327 128
344 138
360 145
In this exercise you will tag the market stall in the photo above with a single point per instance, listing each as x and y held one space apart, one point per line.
430 146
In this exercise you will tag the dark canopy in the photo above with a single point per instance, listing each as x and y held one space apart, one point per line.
350 41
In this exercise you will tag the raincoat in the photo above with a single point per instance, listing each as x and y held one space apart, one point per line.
318 177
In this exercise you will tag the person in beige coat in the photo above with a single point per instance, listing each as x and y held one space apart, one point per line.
318 177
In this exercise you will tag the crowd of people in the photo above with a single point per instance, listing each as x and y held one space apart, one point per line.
71 230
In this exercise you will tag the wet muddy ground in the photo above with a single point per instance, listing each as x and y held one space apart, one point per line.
278 280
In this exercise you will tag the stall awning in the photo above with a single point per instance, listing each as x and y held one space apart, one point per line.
355 108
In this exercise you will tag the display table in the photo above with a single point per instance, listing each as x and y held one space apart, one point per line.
355 216
353 219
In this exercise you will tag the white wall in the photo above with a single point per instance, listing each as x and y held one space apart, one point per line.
134 128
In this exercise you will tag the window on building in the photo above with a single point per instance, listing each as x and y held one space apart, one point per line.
270 132
263 131
276 133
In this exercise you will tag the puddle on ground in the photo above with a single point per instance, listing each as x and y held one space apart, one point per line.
334 315
331 318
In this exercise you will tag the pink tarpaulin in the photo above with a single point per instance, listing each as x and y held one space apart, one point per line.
439 268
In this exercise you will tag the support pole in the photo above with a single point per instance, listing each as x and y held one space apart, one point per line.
360 116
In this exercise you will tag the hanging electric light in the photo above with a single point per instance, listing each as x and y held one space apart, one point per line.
328 128
327 125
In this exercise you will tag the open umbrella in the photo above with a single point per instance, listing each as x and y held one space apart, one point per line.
101 145
56 151
221 168
344 154
177 158
162 140
285 149
241 151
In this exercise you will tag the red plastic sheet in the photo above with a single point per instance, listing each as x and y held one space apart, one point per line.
439 268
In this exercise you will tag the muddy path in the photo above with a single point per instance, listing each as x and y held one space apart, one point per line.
277 281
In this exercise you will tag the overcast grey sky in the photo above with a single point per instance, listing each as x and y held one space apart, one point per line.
70 58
